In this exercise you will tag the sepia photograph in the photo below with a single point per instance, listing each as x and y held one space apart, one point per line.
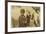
25 17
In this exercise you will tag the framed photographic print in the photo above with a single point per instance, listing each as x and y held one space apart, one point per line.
23 16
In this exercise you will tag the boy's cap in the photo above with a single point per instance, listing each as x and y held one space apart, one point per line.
22 11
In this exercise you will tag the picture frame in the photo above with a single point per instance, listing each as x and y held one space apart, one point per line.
8 4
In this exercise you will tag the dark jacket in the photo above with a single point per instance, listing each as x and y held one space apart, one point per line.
22 20
28 20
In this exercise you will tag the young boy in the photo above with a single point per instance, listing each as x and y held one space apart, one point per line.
28 19
22 19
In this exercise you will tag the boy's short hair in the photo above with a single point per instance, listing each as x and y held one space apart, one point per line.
22 11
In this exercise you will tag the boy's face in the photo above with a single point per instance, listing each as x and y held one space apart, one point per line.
22 13
28 13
